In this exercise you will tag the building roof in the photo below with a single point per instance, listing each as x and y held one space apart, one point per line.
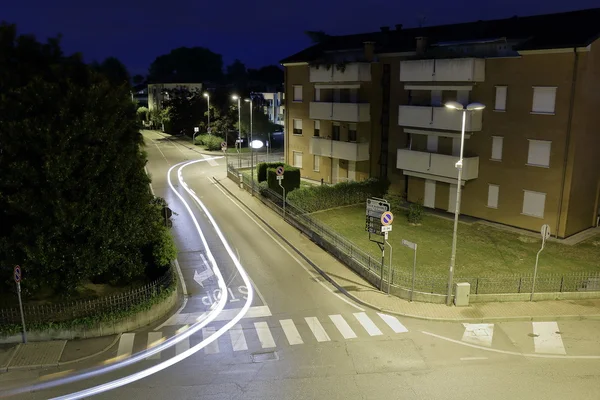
538 32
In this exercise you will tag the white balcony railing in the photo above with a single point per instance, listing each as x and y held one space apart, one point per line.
444 70
438 118
347 112
354 72
351 151
436 164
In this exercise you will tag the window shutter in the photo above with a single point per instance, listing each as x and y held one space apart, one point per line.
544 99
493 191
297 93
539 153
500 98
534 203
297 124
497 143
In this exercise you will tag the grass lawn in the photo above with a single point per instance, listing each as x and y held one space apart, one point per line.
481 250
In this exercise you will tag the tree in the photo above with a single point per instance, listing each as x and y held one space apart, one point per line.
261 126
237 74
186 110
138 79
74 198
114 70
271 75
187 65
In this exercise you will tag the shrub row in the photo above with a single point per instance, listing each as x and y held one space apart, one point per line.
211 142
261 170
290 182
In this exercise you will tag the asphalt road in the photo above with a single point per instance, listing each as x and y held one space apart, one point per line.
302 340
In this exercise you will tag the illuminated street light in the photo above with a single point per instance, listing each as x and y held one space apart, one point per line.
208 105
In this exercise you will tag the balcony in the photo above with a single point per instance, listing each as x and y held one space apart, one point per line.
351 151
346 112
435 164
355 72
445 70
438 118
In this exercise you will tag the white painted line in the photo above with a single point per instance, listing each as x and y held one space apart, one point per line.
481 334
213 347
225 315
180 274
238 340
154 337
473 358
393 323
342 326
547 339
163 154
211 161
264 335
125 345
291 332
182 346
368 324
317 329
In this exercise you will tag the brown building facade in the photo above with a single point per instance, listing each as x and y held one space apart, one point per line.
373 105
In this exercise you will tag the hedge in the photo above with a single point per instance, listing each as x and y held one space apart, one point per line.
323 197
290 182
211 142
261 169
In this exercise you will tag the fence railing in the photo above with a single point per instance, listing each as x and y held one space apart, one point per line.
68 311
371 268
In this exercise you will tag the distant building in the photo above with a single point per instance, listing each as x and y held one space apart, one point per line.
275 107
140 94
157 92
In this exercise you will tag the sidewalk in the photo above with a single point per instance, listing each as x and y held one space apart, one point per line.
355 287
52 353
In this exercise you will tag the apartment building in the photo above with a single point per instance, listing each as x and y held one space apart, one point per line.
372 105
158 92
275 107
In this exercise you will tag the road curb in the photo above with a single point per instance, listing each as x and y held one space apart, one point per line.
383 310
115 340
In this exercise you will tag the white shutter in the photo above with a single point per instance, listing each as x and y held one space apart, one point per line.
297 93
317 94
497 143
316 163
544 99
432 143
534 203
500 98
539 153
493 191
298 124
297 159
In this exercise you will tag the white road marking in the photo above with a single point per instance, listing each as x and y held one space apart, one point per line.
213 347
182 346
546 339
291 332
161 152
238 340
225 315
181 280
368 324
154 337
211 161
481 334
125 345
264 335
393 323
342 326
317 329
472 358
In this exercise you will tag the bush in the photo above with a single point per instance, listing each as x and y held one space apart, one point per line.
311 199
415 213
261 169
263 187
210 142
290 183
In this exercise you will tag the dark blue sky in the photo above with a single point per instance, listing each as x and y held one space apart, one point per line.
258 32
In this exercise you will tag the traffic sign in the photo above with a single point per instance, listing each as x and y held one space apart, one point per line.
17 274
196 129
279 171
387 218
279 177
224 144
386 228
376 207
408 244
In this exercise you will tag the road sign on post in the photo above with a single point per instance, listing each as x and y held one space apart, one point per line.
279 171
17 274
374 212
545 233
17 277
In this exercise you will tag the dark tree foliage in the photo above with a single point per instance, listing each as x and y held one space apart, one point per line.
114 70
75 204
187 65
271 75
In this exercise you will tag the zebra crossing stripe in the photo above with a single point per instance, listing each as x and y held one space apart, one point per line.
153 338
125 345
547 338
291 332
368 324
238 340
213 347
342 326
317 329
264 335
393 323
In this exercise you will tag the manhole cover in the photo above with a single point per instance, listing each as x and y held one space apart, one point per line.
263 357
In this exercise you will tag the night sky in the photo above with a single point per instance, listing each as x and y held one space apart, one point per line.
257 32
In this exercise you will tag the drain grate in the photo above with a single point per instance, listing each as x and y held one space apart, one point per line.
265 356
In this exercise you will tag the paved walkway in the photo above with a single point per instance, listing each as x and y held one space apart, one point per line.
351 284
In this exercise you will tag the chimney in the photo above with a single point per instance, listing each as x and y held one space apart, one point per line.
385 29
398 27
369 51
421 45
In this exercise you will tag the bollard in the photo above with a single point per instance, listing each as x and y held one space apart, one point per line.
241 181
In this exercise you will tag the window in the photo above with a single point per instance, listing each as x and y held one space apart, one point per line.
533 203
335 131
493 191
317 94
500 98
317 128
352 132
297 126
353 95
316 163
497 143
539 153
432 143
543 100
297 93
436 98
297 159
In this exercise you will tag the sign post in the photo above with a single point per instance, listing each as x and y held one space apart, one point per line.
386 226
279 172
376 208
224 150
17 277
545 232
413 246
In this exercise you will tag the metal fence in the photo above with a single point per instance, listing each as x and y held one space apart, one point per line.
86 308
371 268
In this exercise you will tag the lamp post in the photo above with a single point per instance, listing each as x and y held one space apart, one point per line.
237 98
208 106
453 105
250 145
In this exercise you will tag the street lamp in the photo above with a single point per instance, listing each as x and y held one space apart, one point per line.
208 105
250 145
237 98
454 105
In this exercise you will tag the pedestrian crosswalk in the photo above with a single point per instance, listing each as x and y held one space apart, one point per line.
269 334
